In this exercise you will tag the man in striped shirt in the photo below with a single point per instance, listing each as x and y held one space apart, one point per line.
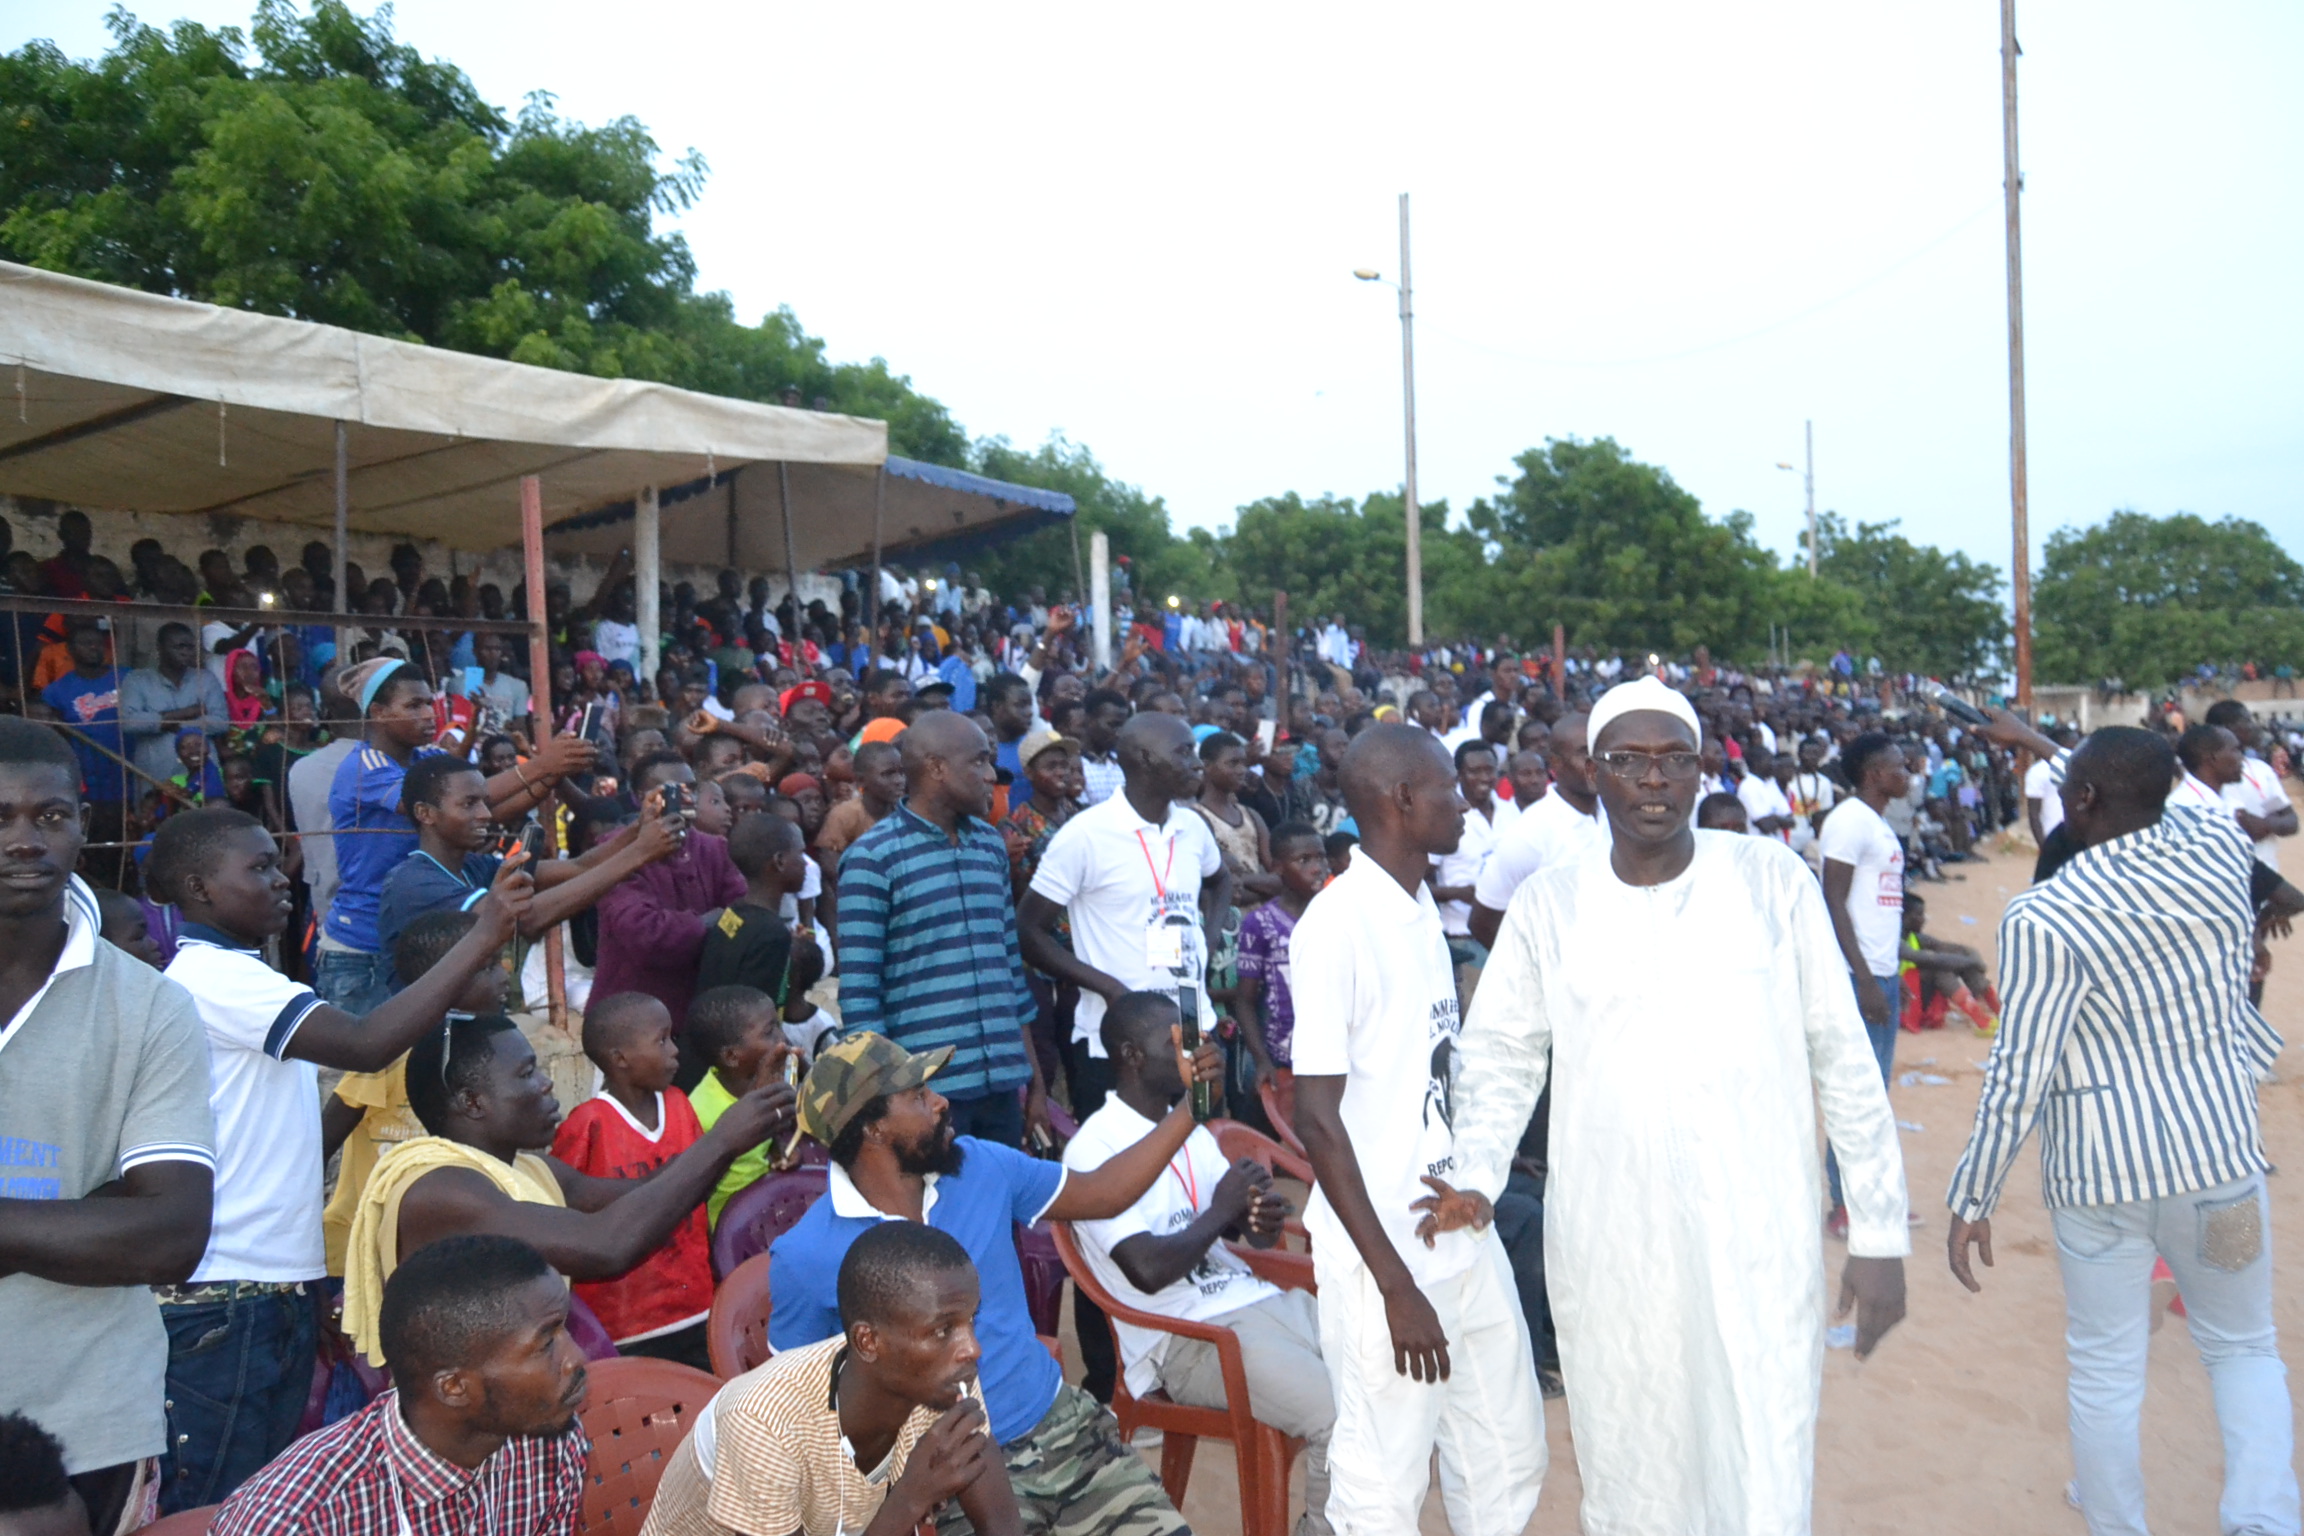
2127 1033
928 949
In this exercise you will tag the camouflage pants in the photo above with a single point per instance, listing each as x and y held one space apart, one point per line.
1074 1477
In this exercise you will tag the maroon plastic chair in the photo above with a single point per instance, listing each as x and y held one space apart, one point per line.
736 1332
636 1412
757 1215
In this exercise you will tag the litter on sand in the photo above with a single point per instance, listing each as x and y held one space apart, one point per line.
1841 1337
1922 1080
1913 1126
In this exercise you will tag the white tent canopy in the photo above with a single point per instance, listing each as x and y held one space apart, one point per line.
127 400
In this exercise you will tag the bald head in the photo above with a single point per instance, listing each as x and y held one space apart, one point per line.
947 765
1158 757
1570 753
1152 731
939 735
1401 788
2117 781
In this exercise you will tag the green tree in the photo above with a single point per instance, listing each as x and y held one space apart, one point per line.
1136 523
1918 608
316 167
2150 599
1621 555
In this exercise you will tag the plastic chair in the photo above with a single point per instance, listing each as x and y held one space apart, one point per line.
1043 1276
1237 1141
636 1412
185 1522
1264 1454
737 1330
759 1214
1278 1094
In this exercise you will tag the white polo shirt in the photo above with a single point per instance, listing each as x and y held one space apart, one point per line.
1549 832
1376 1005
1132 890
268 1166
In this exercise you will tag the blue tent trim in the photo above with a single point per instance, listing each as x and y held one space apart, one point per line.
1055 502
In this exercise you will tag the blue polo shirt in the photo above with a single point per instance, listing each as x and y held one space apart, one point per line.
980 1207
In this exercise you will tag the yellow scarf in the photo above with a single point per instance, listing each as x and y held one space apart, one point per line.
374 1251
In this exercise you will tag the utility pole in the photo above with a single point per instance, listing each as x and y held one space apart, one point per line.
1408 405
1811 480
2012 188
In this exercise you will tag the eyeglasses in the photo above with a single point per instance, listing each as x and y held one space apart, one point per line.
1635 765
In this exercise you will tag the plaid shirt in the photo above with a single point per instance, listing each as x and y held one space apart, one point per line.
370 1476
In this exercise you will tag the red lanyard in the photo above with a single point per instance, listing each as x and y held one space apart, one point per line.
1159 878
1188 1181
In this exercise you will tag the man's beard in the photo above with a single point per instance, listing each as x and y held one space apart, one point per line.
939 1153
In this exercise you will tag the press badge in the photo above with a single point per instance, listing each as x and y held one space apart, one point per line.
1164 944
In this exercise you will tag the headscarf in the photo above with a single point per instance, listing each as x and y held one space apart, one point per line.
791 785
1644 692
244 708
362 683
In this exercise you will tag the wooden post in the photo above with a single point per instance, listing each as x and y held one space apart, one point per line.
872 593
540 707
647 578
1560 663
791 560
343 532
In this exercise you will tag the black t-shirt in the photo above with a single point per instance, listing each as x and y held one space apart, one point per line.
746 946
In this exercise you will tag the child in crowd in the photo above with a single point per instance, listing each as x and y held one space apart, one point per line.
637 1124
368 1114
800 907
124 925
1265 1003
244 794
1337 848
1939 975
735 1029
752 943
1722 812
199 783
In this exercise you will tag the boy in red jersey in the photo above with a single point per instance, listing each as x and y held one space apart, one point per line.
639 1123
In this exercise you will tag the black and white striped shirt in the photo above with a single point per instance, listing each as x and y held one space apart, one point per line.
2125 1025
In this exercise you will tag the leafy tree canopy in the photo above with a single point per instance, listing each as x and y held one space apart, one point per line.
2151 599
316 167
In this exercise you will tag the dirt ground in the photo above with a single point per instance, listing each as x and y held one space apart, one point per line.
1957 1423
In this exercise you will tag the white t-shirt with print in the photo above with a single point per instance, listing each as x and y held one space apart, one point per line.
266 1222
1220 1283
1129 886
1375 997
1854 834
1463 867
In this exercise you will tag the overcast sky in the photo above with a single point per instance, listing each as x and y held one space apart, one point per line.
1685 225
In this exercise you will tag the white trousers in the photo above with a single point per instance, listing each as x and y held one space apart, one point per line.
1486 1420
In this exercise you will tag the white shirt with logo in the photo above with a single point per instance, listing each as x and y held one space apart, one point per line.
1221 1282
1376 1005
1132 891
1854 834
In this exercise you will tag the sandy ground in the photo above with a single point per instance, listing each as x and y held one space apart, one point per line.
1957 1422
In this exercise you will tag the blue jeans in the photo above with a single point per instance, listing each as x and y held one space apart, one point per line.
353 982
2218 1243
239 1374
995 1116
1883 1038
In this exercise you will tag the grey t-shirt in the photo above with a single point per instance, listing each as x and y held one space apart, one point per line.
105 1070
309 781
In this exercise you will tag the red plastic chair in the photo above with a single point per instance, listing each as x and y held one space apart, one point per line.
1237 1141
1278 1094
758 1214
636 1412
737 1330
185 1522
1263 1453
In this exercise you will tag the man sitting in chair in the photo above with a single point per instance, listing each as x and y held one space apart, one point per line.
1165 1254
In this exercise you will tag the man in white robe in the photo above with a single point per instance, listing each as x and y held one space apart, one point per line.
1686 993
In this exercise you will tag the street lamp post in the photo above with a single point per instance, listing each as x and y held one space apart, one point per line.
1408 413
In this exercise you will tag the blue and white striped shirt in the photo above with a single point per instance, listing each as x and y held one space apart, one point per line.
2125 1025
928 951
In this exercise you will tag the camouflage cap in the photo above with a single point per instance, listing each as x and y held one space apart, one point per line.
852 1073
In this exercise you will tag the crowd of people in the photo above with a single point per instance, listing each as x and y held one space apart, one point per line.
905 887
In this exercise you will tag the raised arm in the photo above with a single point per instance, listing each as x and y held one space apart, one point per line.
633 1219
